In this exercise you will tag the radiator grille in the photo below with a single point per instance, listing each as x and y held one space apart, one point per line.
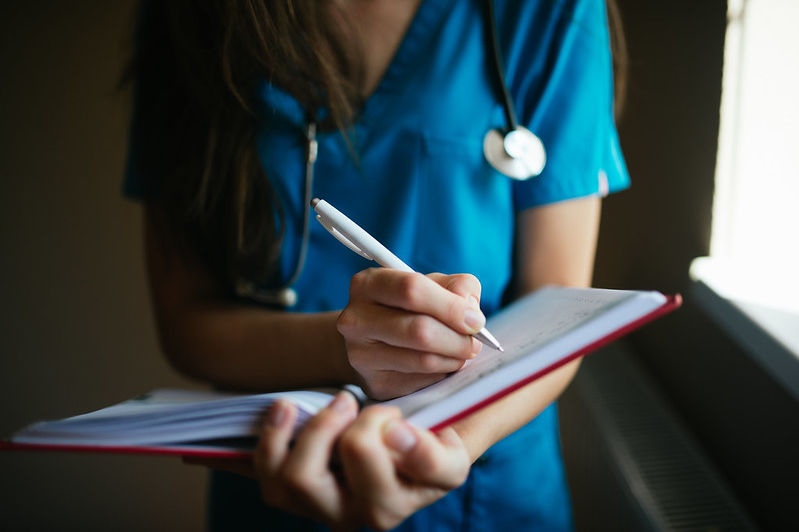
669 480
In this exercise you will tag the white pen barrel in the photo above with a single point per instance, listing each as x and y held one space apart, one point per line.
386 258
360 238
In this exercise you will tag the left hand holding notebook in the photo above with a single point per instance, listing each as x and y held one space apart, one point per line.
383 469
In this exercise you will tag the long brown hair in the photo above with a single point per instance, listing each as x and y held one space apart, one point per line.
196 66
620 57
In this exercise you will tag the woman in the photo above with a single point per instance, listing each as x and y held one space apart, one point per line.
228 95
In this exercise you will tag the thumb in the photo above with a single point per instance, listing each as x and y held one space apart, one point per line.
424 457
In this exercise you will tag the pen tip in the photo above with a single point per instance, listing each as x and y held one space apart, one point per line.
314 202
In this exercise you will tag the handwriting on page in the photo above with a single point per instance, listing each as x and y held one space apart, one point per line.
537 322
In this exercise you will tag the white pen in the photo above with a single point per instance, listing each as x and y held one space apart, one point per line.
354 237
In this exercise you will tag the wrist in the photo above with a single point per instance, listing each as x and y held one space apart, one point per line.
343 370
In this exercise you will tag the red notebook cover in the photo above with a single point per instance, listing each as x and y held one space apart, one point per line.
672 303
189 450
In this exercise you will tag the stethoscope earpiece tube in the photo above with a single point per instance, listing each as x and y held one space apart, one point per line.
496 63
286 296
516 151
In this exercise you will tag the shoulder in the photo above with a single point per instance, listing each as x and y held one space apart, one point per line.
550 40
550 19
555 8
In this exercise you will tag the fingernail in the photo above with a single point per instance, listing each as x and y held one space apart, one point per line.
474 319
277 414
477 346
399 436
342 403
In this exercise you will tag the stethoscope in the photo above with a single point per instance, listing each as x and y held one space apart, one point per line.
514 151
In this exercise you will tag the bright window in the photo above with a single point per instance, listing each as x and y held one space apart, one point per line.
755 235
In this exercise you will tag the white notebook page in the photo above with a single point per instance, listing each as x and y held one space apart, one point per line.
536 332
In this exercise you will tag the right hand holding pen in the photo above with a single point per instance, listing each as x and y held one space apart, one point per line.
405 331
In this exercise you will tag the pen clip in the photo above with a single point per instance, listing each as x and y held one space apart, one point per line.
341 238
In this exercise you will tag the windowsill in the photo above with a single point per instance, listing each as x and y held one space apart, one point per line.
768 333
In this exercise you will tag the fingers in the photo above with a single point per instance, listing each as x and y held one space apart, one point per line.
387 357
376 493
463 284
393 469
276 434
436 460
405 330
366 321
362 451
300 480
314 445
420 294
372 318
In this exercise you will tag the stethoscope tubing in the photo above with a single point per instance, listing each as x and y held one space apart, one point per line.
495 149
492 35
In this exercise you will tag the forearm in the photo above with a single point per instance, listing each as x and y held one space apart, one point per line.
487 426
556 244
208 335
248 348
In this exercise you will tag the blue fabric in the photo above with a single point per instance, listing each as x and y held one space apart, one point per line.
420 184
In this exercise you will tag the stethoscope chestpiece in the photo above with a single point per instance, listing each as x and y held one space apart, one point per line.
285 297
519 153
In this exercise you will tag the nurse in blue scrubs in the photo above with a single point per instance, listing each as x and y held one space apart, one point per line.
226 182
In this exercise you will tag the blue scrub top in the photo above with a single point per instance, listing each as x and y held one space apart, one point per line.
414 176
418 180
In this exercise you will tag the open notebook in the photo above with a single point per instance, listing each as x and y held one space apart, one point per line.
540 333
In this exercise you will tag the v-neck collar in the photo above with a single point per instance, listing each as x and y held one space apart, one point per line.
421 31
429 15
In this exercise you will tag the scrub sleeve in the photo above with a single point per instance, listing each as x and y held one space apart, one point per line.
421 185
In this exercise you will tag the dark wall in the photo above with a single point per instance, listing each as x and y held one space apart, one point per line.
76 330
669 133
746 422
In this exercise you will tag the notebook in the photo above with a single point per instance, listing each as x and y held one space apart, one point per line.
540 332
